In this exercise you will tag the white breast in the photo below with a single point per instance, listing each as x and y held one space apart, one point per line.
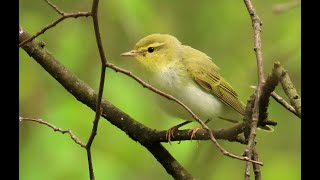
202 103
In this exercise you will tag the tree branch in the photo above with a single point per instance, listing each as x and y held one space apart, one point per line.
269 86
288 88
232 134
253 121
73 137
55 8
49 26
284 103
256 167
94 14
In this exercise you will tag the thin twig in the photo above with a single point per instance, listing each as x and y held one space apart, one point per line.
98 104
65 16
55 7
256 23
256 167
73 137
284 103
204 126
94 14
95 122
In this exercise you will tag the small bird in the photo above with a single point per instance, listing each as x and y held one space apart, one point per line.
190 76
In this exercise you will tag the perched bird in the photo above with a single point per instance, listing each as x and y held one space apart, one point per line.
190 76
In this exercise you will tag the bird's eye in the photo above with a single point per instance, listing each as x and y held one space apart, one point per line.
150 49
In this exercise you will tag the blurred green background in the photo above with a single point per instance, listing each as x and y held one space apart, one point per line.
221 29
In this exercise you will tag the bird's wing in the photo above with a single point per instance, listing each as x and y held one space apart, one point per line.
206 74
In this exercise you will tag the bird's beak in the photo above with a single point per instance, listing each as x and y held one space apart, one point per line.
130 53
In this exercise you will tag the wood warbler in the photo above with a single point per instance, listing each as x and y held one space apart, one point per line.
190 76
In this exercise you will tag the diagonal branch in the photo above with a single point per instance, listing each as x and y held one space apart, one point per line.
284 103
73 137
49 26
55 8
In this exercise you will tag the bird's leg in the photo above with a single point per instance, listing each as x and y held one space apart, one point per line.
171 131
194 131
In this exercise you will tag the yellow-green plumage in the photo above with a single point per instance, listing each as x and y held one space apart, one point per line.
206 74
187 74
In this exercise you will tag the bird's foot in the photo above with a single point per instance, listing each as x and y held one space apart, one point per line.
194 131
170 132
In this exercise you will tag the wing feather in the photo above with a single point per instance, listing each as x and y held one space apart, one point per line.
207 76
